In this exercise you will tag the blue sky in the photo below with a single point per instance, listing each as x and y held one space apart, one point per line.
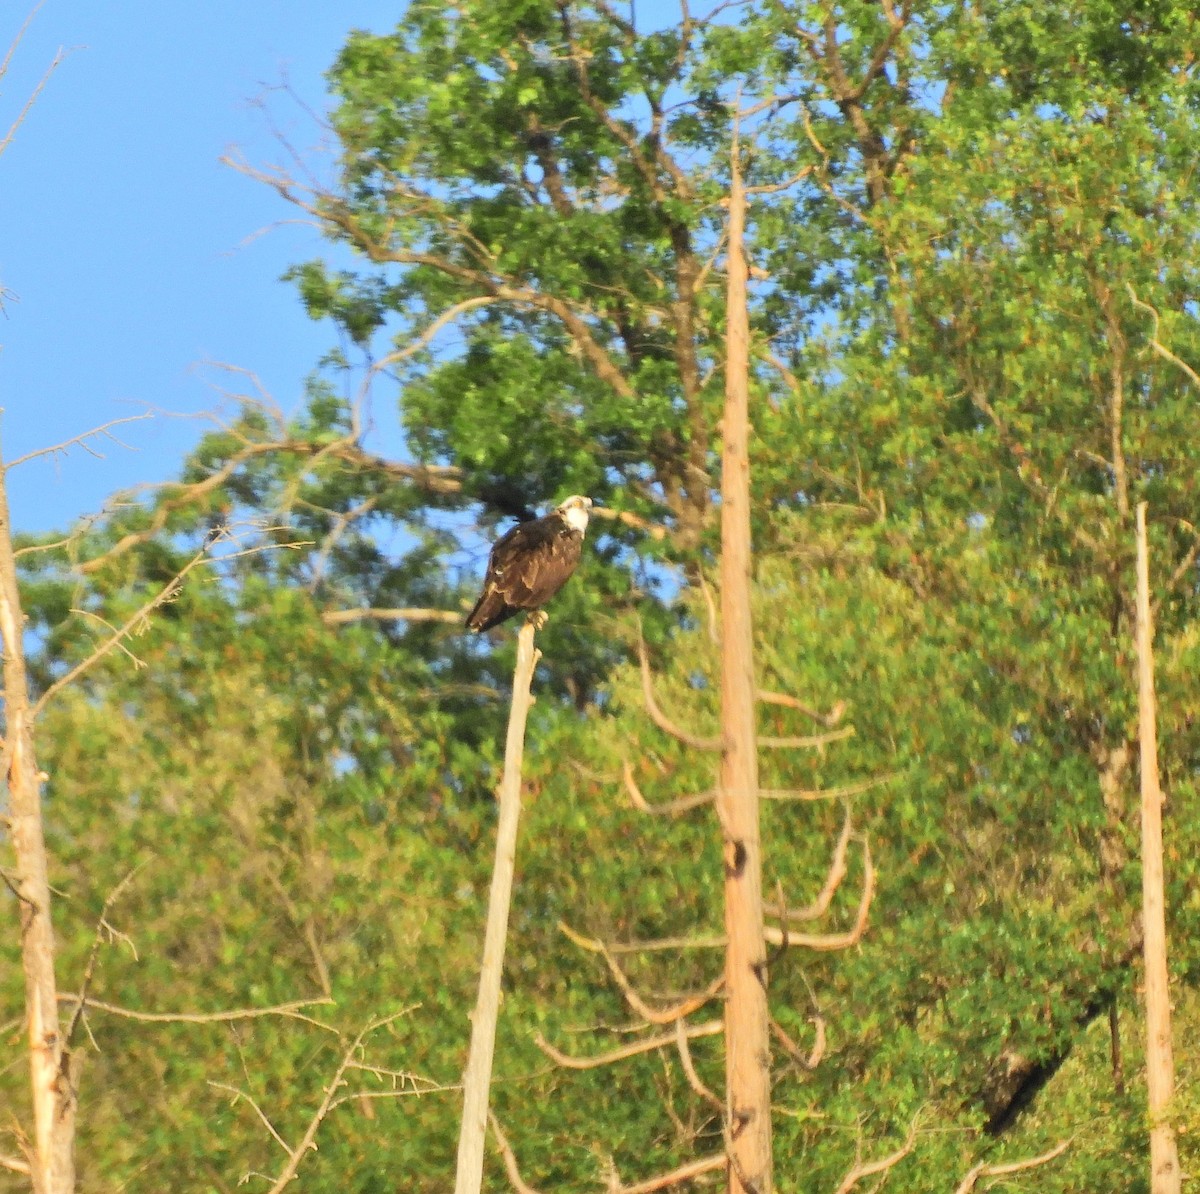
129 253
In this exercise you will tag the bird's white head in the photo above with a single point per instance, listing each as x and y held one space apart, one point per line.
575 512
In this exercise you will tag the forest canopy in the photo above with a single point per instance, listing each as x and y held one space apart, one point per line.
973 243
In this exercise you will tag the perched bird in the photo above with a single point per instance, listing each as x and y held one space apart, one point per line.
530 563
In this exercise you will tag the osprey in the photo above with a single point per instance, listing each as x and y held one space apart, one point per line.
530 563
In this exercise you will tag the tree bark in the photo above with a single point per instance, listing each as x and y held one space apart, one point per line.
477 1077
1160 1075
747 1039
52 1163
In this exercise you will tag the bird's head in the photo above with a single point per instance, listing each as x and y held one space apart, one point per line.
575 512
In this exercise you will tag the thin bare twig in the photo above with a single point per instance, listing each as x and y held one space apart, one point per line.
102 927
169 590
57 61
327 1103
842 792
689 1069
672 808
103 430
650 1014
803 741
638 947
709 1028
241 1096
983 1170
1161 349
833 880
794 1051
338 617
829 720
510 1159
674 1178
862 1169
660 719
287 1010
826 942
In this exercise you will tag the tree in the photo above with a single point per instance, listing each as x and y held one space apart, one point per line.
956 402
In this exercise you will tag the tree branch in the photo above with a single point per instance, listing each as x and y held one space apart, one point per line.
103 430
806 740
870 1168
1161 349
660 719
287 1010
338 617
833 880
709 1028
671 808
675 1177
593 945
827 942
983 1170
649 1014
169 591
795 1052
510 1159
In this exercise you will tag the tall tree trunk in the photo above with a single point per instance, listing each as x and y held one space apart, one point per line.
1160 1073
477 1078
52 1165
747 1042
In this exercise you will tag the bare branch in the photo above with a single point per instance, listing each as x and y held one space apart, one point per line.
870 1168
510 1159
982 1170
326 1105
672 808
16 1164
812 794
833 880
337 617
58 60
803 741
660 719
1157 345
170 590
1181 569
709 1028
674 1178
689 1069
20 37
103 430
287 1010
241 1095
651 1015
775 187
427 334
795 1052
102 927
592 945
653 529
826 942
829 720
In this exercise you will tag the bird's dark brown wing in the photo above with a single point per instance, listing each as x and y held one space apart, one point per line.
527 566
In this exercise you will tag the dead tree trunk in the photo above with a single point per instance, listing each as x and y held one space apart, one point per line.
477 1077
51 1159
747 1024
1160 1074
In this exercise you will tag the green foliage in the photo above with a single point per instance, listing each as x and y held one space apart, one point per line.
961 391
